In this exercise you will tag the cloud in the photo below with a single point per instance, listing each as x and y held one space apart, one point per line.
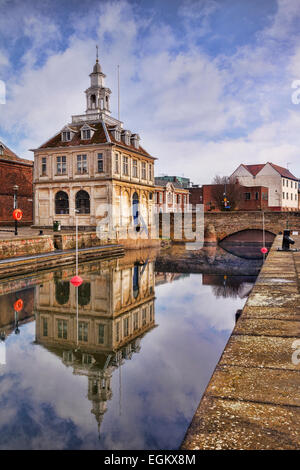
197 111
4 61
196 16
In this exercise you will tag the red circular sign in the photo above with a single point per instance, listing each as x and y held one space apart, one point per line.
264 250
17 214
18 305
76 281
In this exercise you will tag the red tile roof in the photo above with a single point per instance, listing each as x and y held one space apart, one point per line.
98 137
284 172
255 169
9 155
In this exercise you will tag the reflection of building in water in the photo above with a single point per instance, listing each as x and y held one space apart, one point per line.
2 353
229 286
11 320
163 278
115 310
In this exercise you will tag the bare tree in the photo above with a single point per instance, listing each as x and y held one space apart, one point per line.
225 187
217 179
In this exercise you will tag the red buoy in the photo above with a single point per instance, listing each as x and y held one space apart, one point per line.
17 214
264 250
76 281
18 305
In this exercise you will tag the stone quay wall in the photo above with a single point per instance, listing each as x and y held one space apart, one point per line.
14 247
252 400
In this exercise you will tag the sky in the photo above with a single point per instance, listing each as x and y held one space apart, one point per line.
208 84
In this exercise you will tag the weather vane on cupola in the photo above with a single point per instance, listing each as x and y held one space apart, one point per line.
97 50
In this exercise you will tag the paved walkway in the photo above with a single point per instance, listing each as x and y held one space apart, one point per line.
253 399
9 232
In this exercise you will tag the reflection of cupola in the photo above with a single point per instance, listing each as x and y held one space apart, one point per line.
99 392
97 96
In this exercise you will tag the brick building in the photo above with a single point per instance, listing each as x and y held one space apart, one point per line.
171 196
15 171
249 198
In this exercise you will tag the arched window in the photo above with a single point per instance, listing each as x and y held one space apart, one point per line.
93 101
61 203
135 281
95 387
83 202
84 294
135 210
62 292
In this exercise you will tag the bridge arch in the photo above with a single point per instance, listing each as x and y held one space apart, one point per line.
248 235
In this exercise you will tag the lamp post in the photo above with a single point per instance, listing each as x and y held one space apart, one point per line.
18 306
76 280
16 188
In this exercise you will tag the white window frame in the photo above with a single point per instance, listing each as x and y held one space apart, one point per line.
144 171
86 134
135 173
100 160
117 163
61 165
125 165
66 136
81 164
44 165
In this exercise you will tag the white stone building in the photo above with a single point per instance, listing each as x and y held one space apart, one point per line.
91 164
282 184
171 196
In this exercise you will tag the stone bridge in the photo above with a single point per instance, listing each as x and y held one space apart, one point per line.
228 223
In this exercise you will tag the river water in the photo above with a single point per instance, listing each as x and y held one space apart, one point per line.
120 364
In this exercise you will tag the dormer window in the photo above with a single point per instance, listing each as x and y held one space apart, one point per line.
66 136
87 132
135 140
1 150
116 133
126 137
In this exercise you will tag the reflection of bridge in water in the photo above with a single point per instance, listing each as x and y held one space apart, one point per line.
208 260
247 243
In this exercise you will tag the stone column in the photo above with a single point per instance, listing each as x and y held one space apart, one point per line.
72 194
52 192
36 206
92 206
